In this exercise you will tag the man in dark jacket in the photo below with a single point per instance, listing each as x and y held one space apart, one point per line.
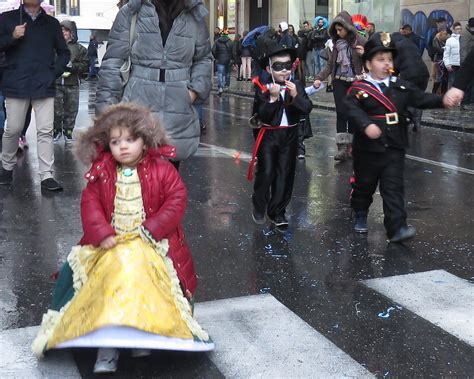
222 52
66 102
466 45
36 55
93 53
411 67
285 39
407 31
319 38
2 100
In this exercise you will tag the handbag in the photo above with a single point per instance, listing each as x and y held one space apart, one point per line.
127 65
324 53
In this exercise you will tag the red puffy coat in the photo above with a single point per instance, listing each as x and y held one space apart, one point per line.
164 202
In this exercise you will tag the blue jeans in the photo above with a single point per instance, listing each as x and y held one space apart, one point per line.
92 68
2 111
223 75
310 57
319 63
200 112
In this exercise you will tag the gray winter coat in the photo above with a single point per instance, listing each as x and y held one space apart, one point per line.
160 76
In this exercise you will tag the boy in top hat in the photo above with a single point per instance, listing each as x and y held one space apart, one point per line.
280 102
376 106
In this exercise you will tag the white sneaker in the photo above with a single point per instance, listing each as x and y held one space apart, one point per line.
138 353
107 360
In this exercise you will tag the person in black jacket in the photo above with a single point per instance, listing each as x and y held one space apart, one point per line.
36 56
222 52
463 81
2 100
279 110
375 106
410 66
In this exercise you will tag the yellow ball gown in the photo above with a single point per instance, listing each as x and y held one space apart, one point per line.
125 297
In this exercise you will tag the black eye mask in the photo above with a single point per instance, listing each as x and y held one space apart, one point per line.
280 66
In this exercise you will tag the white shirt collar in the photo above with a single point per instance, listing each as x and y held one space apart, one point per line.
375 82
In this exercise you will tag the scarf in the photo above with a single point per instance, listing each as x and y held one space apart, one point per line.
343 59
167 11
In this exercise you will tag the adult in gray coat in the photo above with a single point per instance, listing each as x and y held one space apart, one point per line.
171 65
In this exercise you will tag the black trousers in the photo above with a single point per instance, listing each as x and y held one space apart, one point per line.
343 125
275 173
385 169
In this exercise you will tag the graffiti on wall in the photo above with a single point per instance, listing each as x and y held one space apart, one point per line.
425 26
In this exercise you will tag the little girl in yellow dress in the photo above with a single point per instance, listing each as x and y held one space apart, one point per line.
130 282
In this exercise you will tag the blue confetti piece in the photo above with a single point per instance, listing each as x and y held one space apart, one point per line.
388 312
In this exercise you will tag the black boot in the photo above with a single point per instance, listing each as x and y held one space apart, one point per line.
405 232
6 177
359 219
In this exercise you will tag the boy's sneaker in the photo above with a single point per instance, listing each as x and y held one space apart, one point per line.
220 91
107 361
22 144
57 135
6 177
51 185
405 232
258 217
279 220
68 136
359 219
301 156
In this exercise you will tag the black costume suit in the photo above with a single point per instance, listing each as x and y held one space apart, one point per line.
381 160
277 152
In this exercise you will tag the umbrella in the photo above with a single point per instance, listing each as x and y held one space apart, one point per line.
250 38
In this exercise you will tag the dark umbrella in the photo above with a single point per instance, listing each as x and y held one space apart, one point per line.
250 38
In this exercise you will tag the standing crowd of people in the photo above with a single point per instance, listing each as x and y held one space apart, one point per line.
133 255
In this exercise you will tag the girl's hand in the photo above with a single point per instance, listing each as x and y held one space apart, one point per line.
373 131
274 92
291 88
108 243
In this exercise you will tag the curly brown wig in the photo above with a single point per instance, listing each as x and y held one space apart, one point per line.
139 121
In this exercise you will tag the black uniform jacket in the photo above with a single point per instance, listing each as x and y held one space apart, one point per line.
361 106
271 113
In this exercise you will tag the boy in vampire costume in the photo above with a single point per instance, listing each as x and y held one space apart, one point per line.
280 102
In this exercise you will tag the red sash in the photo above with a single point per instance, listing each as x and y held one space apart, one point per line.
376 94
258 141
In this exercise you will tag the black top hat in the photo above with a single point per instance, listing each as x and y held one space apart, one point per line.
270 48
380 41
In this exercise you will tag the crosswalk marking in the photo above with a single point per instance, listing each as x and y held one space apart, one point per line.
438 296
258 337
255 336
17 360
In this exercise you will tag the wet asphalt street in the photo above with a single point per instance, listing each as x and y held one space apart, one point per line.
317 268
